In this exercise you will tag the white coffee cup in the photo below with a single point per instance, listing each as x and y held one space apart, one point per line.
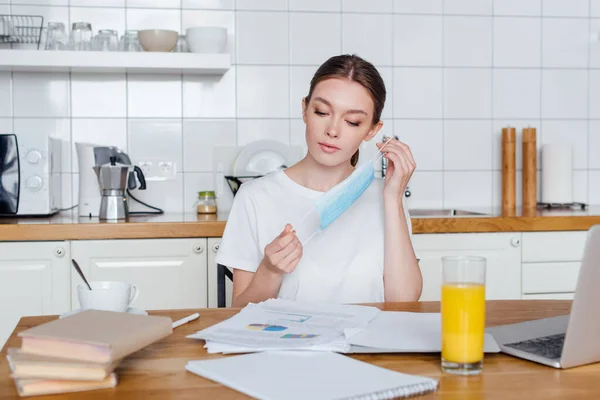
107 295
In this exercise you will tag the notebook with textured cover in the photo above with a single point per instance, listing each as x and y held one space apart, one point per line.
95 335
311 375
32 366
33 387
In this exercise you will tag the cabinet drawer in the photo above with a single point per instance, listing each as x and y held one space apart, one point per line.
553 246
550 277
549 296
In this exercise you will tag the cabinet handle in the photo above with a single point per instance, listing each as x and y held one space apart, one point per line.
198 248
59 252
216 247
515 242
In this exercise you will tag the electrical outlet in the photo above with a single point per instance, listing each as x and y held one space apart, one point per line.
158 170
167 170
146 167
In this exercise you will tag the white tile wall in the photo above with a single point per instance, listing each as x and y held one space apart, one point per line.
250 130
468 7
379 6
299 85
96 95
467 145
418 40
468 189
456 72
315 5
210 96
418 92
41 94
468 41
153 96
565 42
561 8
199 139
418 6
594 145
595 8
370 35
509 82
594 187
564 93
467 93
426 141
263 38
6 97
517 42
317 44
427 189
263 92
595 42
518 7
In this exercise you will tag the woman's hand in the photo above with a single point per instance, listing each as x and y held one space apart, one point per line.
400 168
283 253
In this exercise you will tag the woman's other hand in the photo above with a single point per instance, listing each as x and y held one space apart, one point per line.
400 168
283 253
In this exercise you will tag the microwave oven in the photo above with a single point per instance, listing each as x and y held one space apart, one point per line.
30 174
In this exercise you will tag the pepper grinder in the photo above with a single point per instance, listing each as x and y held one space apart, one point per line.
529 169
508 171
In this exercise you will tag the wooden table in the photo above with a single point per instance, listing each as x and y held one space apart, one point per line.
157 372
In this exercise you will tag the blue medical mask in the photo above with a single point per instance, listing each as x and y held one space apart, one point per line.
333 203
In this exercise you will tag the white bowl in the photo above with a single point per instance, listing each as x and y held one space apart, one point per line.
158 39
207 39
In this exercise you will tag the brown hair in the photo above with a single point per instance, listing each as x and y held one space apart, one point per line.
358 70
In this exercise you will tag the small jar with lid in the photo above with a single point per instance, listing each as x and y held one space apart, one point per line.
206 203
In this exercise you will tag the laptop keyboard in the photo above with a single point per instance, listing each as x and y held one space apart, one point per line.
547 346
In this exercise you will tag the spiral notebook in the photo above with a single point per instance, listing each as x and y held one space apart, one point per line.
298 375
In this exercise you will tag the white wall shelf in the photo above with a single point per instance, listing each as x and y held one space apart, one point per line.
111 62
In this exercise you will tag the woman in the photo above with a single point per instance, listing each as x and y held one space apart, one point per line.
365 255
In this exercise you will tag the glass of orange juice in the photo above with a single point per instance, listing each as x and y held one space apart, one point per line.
463 314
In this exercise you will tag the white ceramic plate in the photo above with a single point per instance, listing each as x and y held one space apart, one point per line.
261 157
130 310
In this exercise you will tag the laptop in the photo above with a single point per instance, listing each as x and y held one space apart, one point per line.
569 340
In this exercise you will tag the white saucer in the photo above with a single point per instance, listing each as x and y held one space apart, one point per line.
130 310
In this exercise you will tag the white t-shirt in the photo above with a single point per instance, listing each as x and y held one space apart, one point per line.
342 264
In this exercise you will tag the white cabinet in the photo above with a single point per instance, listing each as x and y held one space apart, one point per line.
34 280
502 251
169 273
213 294
551 262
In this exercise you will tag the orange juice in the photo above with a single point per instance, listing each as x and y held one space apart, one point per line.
463 322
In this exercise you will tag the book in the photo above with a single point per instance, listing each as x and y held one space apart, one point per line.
95 335
36 387
32 366
299 375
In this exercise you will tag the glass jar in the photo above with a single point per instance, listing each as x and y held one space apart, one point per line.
206 203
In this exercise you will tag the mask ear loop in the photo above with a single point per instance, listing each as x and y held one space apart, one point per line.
374 160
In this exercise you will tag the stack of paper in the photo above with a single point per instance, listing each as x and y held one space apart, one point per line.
404 332
286 325
278 324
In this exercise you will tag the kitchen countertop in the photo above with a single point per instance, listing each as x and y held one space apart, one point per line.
68 226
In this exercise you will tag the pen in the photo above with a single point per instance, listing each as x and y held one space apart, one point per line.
185 320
